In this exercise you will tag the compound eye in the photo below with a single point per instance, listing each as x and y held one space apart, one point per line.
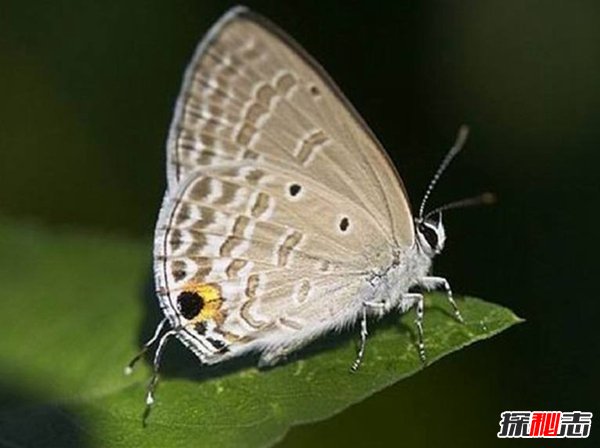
430 235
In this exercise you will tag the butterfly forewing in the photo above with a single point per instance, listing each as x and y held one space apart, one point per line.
251 93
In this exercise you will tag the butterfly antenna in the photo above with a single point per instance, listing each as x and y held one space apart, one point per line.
482 199
146 346
461 138
155 369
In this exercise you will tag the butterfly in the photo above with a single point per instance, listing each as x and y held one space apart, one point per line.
283 218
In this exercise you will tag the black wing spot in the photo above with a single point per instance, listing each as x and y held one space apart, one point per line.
295 190
344 224
314 90
200 328
190 304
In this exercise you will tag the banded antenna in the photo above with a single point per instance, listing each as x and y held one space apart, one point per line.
461 138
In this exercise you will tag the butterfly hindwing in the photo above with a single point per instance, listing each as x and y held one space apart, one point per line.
274 247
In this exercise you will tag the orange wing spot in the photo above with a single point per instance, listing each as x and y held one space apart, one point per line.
212 301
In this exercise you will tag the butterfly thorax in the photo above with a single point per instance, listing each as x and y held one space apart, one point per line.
410 266
407 267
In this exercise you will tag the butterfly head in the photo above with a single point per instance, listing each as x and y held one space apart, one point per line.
431 235
429 229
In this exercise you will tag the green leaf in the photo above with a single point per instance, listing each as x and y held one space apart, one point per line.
75 307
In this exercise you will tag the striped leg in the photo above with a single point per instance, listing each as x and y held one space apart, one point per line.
363 340
432 283
407 301
364 333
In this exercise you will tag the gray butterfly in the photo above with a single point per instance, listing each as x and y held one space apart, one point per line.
283 218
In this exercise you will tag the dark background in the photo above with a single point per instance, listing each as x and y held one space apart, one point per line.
86 94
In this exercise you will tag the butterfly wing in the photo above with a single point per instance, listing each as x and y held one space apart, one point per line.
279 264
280 202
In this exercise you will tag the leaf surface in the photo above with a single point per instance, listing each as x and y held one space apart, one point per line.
75 307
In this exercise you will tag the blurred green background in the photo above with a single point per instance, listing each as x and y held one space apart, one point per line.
86 95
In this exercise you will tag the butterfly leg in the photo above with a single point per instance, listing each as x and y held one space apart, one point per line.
363 333
432 283
407 301
156 366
